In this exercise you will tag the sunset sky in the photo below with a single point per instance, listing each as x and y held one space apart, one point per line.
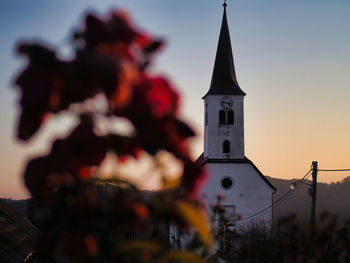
292 58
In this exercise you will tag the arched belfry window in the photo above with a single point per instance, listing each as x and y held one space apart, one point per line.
222 117
230 117
226 146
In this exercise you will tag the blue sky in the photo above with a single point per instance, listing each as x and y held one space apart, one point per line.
292 59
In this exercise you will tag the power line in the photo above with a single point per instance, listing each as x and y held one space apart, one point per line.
334 170
281 199
290 192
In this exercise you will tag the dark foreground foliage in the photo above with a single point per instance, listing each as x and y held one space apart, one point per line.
291 241
95 219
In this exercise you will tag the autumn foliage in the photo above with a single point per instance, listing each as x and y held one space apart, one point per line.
88 223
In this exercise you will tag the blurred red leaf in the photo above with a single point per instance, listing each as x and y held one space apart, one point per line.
193 176
80 150
36 83
35 178
50 85
115 28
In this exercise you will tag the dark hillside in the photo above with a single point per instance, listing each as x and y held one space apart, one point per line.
333 198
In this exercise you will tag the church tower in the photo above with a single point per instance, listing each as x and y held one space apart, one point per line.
224 122
245 190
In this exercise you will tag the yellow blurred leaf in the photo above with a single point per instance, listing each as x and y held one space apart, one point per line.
139 246
181 257
171 183
196 218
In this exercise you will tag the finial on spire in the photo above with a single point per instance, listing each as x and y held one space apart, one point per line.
225 4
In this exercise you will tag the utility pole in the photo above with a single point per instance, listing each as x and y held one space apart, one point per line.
313 192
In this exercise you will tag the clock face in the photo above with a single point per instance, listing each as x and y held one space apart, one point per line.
226 102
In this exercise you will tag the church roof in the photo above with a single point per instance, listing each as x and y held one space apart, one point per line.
202 161
18 236
224 81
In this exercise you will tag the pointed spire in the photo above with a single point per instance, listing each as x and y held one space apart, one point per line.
224 81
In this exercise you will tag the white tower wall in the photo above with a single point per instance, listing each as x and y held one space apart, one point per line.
215 134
